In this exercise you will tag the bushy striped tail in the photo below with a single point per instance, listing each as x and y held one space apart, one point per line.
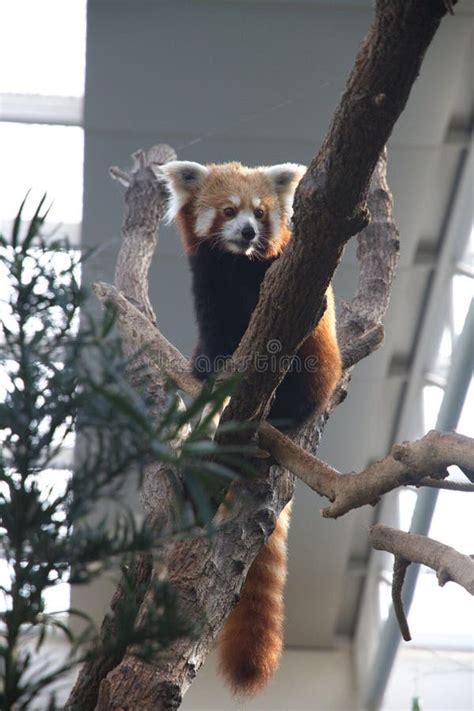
251 640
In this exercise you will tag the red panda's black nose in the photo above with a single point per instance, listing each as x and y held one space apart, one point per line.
248 233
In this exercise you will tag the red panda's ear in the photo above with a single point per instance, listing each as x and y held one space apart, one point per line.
183 178
285 177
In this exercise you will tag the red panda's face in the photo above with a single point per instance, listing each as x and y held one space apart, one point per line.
237 209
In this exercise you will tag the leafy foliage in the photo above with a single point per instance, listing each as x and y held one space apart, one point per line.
65 395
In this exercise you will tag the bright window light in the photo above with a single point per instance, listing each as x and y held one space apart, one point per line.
467 414
432 399
42 47
385 595
442 617
463 293
406 505
42 159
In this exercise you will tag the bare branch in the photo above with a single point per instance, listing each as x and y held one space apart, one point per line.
448 485
145 200
145 337
360 329
362 346
449 564
400 567
433 453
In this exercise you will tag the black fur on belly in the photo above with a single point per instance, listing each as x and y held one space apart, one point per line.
226 288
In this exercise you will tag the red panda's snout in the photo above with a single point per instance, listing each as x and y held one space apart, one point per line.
238 231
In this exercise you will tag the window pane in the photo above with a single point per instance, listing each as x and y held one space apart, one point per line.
432 399
42 159
42 46
443 616
463 293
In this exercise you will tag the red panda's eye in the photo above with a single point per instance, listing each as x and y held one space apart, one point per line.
229 212
258 213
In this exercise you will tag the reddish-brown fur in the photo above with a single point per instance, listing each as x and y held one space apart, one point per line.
251 640
321 353
185 220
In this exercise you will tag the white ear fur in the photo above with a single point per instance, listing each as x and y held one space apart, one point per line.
183 178
285 177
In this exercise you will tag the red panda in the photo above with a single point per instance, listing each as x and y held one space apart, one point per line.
234 222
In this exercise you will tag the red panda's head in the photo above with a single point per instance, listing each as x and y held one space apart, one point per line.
238 209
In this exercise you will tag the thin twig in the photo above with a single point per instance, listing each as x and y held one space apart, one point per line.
400 566
444 484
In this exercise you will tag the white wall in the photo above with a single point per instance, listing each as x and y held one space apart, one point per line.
307 680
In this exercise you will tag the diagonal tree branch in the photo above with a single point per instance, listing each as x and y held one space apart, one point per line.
407 464
329 205
146 337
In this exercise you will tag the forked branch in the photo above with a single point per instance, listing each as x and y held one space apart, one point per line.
448 563
420 463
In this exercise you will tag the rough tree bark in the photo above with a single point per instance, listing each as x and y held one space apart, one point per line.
330 207
330 202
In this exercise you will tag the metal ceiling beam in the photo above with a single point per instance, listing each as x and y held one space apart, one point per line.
38 108
456 233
